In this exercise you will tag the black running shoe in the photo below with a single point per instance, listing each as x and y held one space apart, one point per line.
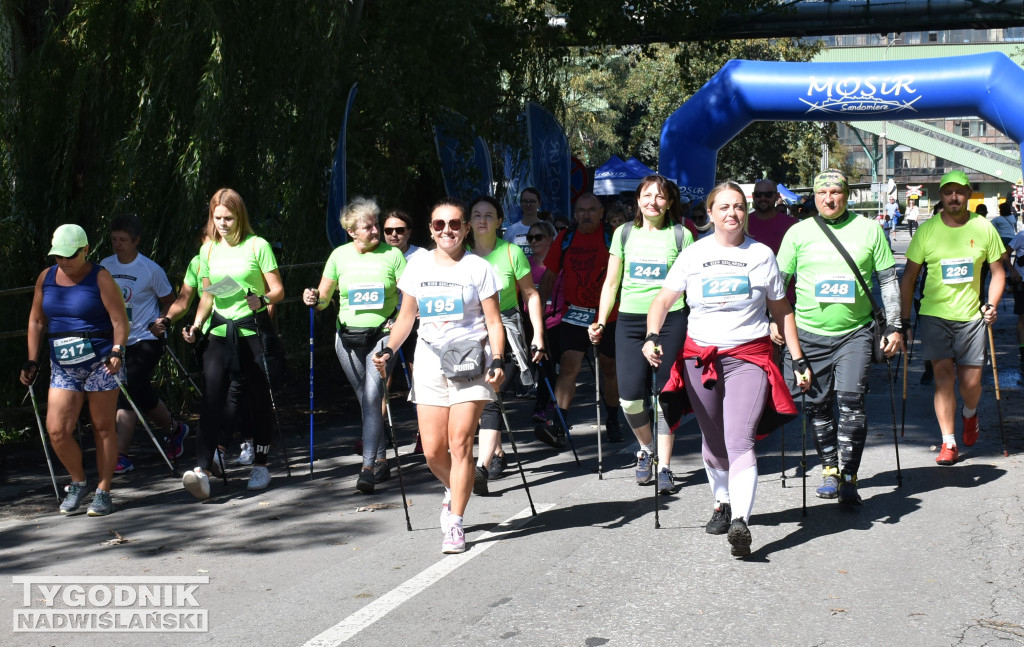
549 434
496 468
719 524
739 538
365 482
480 481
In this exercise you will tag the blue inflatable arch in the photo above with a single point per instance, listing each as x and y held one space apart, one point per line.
990 86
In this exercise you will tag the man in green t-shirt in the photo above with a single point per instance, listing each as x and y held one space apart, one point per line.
833 318
953 246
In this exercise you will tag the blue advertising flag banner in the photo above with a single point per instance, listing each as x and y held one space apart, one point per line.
465 158
549 159
515 166
336 197
988 85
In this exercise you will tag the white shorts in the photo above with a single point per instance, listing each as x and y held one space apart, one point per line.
431 387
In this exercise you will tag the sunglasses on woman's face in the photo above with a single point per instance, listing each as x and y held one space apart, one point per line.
438 225
535 238
392 231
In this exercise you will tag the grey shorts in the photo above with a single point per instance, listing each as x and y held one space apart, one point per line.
838 363
431 387
963 341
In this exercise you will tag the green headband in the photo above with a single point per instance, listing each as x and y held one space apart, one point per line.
831 178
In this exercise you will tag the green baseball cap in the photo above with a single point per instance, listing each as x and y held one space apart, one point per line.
67 240
955 177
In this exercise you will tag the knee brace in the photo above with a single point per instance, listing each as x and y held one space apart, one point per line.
491 416
635 413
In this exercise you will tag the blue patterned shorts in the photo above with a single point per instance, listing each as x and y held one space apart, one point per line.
93 376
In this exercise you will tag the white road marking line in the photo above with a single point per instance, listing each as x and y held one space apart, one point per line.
386 603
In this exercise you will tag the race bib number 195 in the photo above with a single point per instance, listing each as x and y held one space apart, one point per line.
438 304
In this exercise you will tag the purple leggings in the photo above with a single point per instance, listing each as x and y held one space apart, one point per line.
728 427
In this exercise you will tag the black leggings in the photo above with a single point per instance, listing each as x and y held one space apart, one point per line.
140 360
220 411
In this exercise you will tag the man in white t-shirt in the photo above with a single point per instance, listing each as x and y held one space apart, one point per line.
147 296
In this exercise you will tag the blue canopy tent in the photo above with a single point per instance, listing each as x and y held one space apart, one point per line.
617 176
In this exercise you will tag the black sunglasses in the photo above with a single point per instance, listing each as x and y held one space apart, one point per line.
438 225
68 258
535 238
763 194
390 231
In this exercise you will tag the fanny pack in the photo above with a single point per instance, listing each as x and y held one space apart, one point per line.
462 359
358 338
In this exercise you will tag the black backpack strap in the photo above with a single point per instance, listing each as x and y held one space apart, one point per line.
846 257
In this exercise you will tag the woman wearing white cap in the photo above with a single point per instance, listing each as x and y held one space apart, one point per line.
79 308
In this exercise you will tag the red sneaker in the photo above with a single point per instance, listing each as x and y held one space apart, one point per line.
948 455
971 430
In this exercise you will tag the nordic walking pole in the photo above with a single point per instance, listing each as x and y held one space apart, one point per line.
995 379
181 367
782 362
312 311
597 399
892 405
394 445
142 419
561 420
803 452
903 414
42 437
270 389
654 434
515 450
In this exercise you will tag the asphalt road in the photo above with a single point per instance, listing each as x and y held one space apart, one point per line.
936 561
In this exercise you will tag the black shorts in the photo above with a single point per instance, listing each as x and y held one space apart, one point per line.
140 360
573 337
1018 296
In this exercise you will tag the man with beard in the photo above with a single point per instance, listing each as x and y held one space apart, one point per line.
766 224
579 257
953 247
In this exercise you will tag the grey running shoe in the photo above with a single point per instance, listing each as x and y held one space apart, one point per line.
739 538
101 504
73 501
720 519
644 468
666 481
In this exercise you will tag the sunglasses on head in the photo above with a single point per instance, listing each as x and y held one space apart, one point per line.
391 231
534 238
438 225
763 194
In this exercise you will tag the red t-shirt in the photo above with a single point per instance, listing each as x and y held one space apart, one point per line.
584 267
770 232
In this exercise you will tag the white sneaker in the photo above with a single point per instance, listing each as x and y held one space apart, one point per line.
246 456
197 483
259 479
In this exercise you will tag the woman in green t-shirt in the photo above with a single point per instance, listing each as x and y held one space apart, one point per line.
639 265
365 272
240 279
512 269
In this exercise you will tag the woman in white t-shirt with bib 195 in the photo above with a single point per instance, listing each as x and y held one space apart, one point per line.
455 295
731 283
